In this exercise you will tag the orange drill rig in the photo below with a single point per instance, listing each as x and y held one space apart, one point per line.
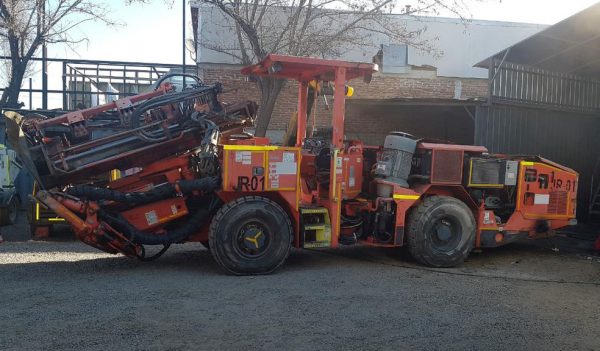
198 177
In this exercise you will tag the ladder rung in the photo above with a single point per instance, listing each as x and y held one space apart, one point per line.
316 226
315 244
313 210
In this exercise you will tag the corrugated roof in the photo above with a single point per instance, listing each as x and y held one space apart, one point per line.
570 46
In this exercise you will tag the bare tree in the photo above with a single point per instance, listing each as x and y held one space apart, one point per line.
324 28
25 25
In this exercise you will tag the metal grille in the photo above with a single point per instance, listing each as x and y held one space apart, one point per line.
447 166
558 202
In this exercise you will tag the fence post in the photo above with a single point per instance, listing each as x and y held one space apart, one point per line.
30 94
64 86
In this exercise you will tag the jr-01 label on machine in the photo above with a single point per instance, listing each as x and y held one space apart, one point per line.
260 168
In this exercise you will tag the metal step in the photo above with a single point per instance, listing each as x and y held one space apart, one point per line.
315 227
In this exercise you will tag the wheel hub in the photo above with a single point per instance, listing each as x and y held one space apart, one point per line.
252 239
444 231
445 234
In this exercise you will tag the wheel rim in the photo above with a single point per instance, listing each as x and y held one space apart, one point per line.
445 234
252 239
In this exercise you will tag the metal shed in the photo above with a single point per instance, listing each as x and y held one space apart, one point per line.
544 98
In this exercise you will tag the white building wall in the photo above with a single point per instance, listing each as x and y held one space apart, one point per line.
461 45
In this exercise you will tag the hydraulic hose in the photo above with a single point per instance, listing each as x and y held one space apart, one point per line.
142 256
159 192
164 191
196 221
210 91
167 76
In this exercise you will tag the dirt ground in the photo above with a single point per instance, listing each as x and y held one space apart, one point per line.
63 295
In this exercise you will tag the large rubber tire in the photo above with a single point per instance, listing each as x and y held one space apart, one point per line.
441 232
10 214
251 235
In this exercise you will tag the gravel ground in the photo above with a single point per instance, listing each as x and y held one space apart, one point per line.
63 295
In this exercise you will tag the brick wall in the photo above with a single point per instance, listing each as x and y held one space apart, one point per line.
381 87
371 123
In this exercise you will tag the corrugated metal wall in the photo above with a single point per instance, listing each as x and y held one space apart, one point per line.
515 83
571 139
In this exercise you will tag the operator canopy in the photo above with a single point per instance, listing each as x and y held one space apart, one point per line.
308 68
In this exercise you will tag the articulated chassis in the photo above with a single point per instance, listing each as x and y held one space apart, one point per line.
251 201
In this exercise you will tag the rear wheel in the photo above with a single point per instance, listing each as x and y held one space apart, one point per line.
251 235
441 232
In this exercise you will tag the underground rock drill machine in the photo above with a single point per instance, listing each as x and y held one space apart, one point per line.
199 178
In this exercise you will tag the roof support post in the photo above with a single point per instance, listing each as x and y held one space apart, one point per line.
302 103
336 177
339 107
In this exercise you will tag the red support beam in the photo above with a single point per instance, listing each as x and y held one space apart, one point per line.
302 103
339 107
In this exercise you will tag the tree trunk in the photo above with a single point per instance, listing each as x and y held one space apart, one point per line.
10 96
270 89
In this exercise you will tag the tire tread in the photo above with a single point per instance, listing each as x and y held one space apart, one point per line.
222 212
417 216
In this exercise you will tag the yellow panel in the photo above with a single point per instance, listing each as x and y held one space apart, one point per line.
406 197
252 147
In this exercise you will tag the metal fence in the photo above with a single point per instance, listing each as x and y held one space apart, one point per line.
520 84
88 82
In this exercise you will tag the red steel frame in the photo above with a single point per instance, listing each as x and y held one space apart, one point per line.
303 70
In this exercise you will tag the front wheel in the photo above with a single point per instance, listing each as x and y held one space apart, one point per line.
251 235
10 213
441 231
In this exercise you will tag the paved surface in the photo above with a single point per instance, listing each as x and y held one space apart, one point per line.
62 295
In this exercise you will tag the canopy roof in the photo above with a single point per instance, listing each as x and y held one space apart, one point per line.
571 46
307 68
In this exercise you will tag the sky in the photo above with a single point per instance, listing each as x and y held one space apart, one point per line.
147 33
153 32
528 11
